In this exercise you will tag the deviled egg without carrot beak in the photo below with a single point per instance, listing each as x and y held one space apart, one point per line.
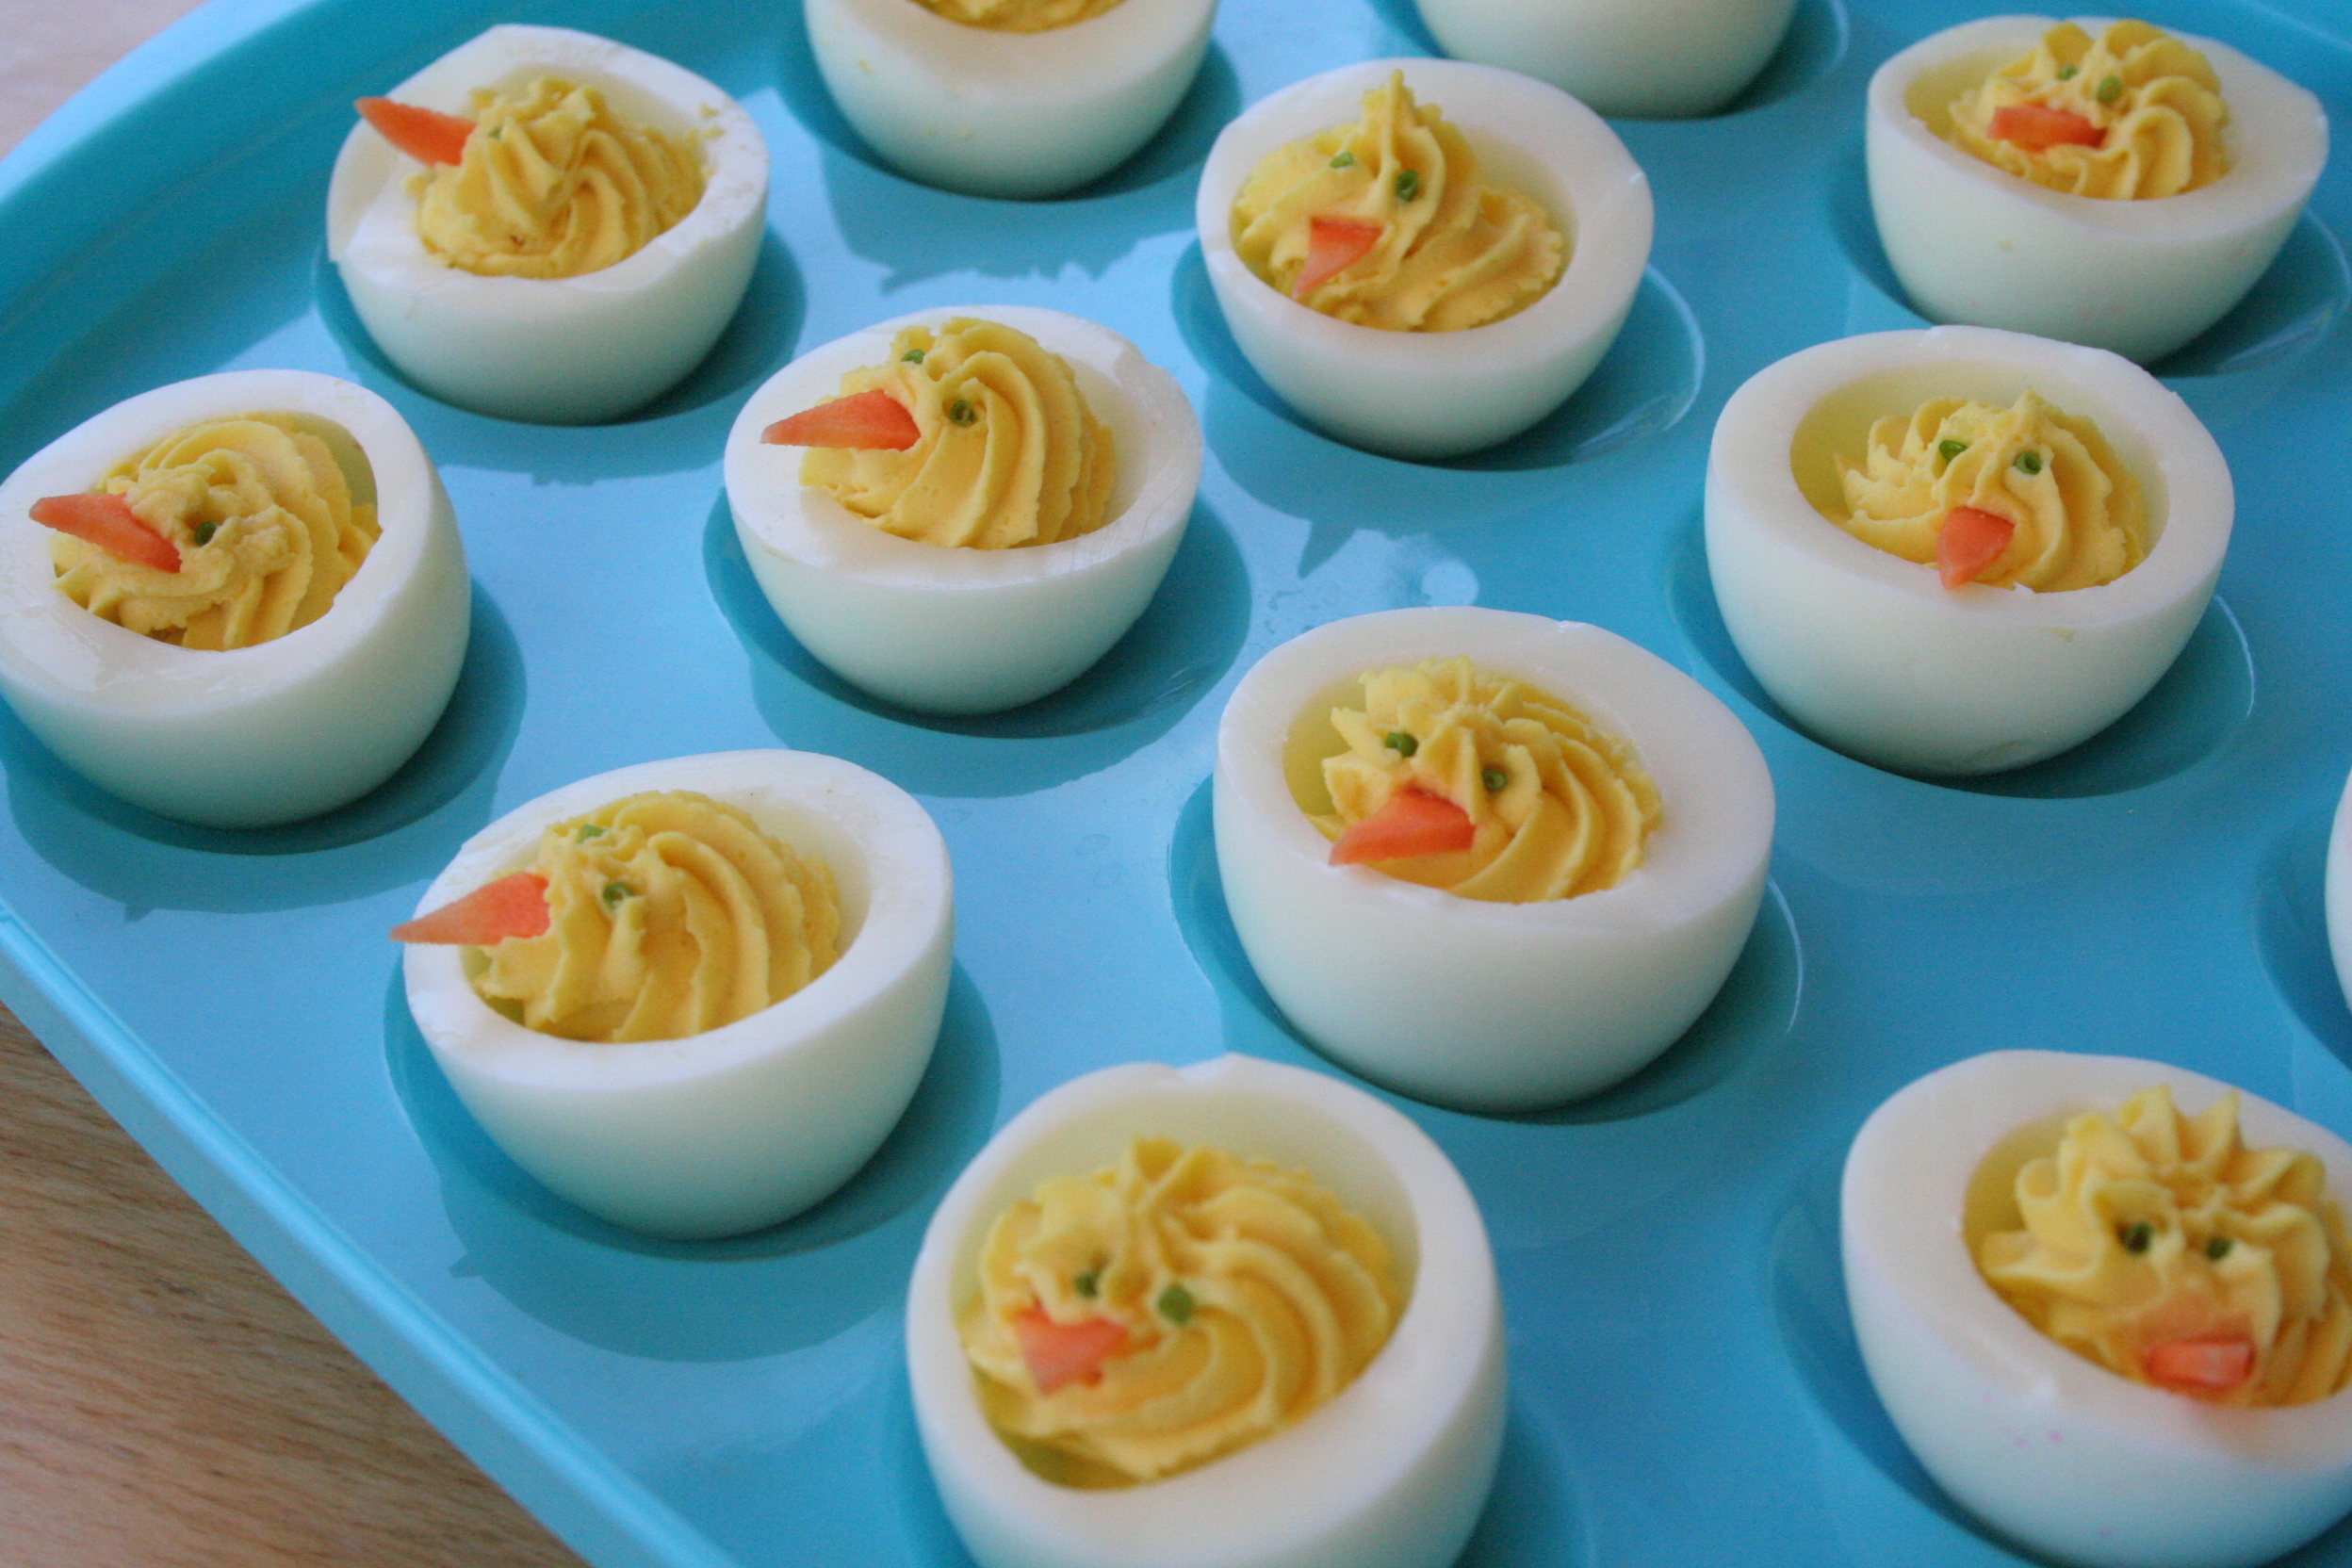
1644 58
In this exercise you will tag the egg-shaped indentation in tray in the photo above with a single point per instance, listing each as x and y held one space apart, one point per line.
758 337
1641 389
2289 310
2190 714
791 1284
121 852
1752 1012
2291 930
1179 648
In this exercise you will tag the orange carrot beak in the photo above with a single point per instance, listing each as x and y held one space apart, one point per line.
1969 540
1334 244
512 906
1060 1353
107 520
2201 1368
866 421
1412 822
426 135
2038 127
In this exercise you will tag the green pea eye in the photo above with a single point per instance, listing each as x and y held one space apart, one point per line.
588 831
2067 73
2217 1249
2137 1235
1089 1284
1407 184
1175 1304
615 892
1494 779
2028 463
1402 743
205 533
1345 160
2110 89
961 412
1950 449
912 356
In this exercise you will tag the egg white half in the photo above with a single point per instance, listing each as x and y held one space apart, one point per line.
2340 891
1646 59
1870 652
1492 1006
2048 1447
1391 1474
741 1126
1978 244
995 113
555 350
948 629
240 737
1438 393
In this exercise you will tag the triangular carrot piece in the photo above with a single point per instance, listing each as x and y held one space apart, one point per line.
512 906
1334 244
1059 1353
871 421
107 520
1412 822
2038 127
2199 1368
426 135
1969 540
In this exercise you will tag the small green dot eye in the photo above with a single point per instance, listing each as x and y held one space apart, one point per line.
2110 89
1494 779
1407 184
2217 1249
2067 73
2028 463
1089 1284
2137 1235
205 533
1345 160
615 892
962 412
1950 448
1175 1304
912 356
1400 743
588 831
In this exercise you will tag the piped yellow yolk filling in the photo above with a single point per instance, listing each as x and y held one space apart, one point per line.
1558 806
670 914
1008 454
1019 16
2079 517
2136 113
1451 252
554 185
269 525
2152 1240
1151 1316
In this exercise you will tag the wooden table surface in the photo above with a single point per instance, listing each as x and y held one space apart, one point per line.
163 1402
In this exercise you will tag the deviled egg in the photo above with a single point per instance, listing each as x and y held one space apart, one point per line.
1642 58
949 628
730 1127
554 349
1391 1473
1870 651
1976 243
2340 891
1462 999
1424 394
232 731
1011 102
2046 1445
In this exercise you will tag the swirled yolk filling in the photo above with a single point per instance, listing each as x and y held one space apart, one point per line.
1545 803
552 184
2134 114
268 521
1017 16
2075 514
669 914
1384 223
1004 450
2161 1246
1154 1314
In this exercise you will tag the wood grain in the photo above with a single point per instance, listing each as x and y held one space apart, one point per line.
163 1402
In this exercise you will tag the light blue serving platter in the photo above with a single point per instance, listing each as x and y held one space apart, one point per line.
1685 1387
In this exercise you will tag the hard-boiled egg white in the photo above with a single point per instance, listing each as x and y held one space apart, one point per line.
1390 1474
2340 890
743 1125
1870 652
242 737
1437 394
2043 1444
1646 59
949 629
1978 244
1491 1006
994 113
556 351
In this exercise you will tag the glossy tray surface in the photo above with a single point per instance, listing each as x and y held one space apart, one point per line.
1684 1387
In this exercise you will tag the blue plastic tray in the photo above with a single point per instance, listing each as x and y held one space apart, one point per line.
1684 1389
